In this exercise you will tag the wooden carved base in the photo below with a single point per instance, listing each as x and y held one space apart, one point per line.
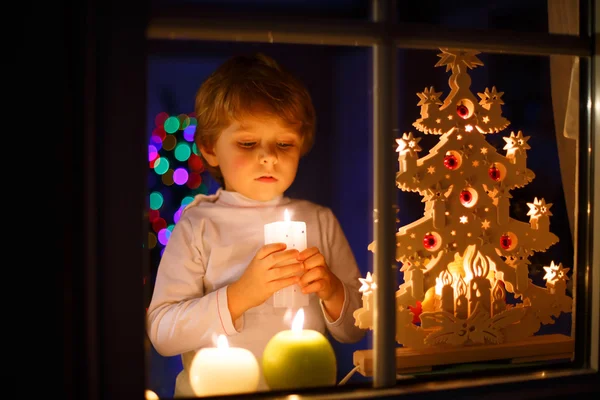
535 348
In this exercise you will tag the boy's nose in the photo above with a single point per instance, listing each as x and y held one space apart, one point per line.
268 156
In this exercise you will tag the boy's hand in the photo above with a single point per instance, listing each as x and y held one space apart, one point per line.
320 280
269 271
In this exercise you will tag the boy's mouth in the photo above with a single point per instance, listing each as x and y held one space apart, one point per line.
267 179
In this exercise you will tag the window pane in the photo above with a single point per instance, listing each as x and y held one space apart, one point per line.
486 196
335 173
555 16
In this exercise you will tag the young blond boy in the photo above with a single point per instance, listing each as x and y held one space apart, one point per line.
216 276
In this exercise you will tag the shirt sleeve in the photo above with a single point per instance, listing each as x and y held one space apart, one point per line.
342 263
181 316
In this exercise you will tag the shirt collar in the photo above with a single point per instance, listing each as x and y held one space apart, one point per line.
238 200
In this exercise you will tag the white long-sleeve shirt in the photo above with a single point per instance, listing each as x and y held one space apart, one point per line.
210 247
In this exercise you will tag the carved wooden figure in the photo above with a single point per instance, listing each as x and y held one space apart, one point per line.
462 257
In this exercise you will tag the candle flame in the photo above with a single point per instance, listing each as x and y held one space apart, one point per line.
298 322
461 287
476 264
222 342
446 278
498 291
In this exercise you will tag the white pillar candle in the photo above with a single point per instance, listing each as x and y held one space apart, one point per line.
293 234
224 370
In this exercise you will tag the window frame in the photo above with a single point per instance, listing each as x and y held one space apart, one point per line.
105 262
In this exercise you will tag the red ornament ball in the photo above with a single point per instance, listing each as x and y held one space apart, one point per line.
494 173
505 241
462 111
465 197
429 241
450 162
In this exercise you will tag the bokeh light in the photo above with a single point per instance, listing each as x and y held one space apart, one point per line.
160 118
156 200
195 163
169 143
188 133
182 151
180 176
187 200
184 121
163 236
167 178
171 125
161 165
176 175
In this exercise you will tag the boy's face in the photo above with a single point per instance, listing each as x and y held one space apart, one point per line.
258 157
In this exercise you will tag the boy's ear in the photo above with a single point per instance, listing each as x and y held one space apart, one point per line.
209 155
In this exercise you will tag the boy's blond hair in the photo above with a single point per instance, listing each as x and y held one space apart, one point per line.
247 86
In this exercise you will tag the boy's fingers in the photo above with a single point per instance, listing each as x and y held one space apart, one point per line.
317 260
310 276
285 271
269 249
283 283
314 287
307 253
291 254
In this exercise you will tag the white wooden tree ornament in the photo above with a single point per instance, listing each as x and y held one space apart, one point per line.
461 258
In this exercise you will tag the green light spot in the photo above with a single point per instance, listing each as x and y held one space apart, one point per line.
184 121
187 200
171 125
161 165
195 149
156 200
170 227
202 189
193 121
182 151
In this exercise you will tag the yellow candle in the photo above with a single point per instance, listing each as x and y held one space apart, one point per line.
223 370
299 358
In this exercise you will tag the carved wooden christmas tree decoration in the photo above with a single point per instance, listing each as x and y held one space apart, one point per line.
466 252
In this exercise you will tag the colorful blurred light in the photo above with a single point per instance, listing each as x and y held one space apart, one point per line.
152 153
194 180
167 178
176 173
160 133
171 125
180 176
187 200
160 118
188 133
151 240
169 143
182 151
153 215
156 200
177 214
195 163
184 121
161 165
159 224
163 236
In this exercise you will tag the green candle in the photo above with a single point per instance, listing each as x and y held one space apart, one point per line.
299 358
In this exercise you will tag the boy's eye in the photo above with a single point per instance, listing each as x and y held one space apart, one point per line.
246 145
285 145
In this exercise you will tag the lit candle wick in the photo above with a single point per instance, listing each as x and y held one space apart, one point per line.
222 342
